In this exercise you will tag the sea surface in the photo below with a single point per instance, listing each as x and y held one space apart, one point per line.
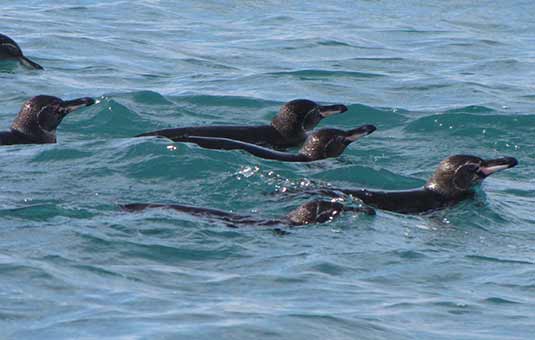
437 78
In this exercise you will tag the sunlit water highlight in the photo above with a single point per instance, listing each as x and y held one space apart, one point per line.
436 79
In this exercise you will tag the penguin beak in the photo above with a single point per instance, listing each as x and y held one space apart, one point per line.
488 167
69 106
353 135
326 111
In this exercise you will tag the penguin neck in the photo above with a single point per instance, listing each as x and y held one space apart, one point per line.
447 192
290 132
33 133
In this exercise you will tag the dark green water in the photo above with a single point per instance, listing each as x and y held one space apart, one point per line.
436 79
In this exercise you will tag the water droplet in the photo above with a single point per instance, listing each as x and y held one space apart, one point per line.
305 182
249 171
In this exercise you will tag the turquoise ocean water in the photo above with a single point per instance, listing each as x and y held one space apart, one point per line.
439 78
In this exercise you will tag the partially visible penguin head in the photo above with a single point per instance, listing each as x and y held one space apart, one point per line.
326 143
459 174
316 211
9 49
300 115
40 116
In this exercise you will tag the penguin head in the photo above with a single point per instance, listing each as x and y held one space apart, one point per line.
40 116
327 143
317 211
300 115
9 48
459 174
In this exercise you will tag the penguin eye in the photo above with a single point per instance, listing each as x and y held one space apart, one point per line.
11 49
50 109
466 175
311 119
476 168
335 146
328 148
47 117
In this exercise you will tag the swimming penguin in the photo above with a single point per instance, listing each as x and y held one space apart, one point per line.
317 211
287 129
38 119
453 181
9 49
321 144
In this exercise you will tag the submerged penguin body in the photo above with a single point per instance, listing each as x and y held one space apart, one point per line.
321 144
316 211
453 181
287 129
